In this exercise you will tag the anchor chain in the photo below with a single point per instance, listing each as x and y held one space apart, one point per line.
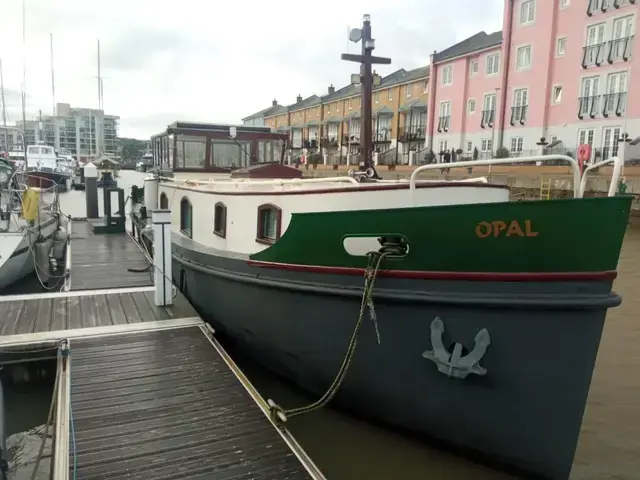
389 248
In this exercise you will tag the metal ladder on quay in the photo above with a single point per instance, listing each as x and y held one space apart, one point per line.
545 188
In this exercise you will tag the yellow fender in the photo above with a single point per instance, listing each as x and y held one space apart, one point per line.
30 203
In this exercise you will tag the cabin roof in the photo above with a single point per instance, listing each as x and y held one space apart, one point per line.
213 127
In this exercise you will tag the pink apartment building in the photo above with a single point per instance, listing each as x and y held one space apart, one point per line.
560 69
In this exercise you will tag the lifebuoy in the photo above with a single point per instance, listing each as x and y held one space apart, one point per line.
584 152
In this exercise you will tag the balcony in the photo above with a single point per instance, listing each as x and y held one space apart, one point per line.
588 106
351 139
443 123
329 141
519 114
594 55
488 117
614 104
620 49
412 133
383 135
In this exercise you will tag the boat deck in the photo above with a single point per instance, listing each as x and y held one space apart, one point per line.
106 260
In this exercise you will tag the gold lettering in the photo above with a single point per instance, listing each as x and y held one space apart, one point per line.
499 228
529 229
483 229
514 229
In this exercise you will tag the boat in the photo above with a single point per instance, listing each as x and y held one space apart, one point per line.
28 222
45 170
145 162
488 312
108 169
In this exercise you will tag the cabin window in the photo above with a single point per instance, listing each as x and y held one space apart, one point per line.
164 201
269 219
191 152
186 217
230 154
220 219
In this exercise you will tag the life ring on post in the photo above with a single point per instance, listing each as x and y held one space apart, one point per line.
584 155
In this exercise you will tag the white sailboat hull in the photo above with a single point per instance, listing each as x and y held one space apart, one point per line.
16 259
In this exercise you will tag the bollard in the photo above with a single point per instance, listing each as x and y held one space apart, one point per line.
163 292
91 190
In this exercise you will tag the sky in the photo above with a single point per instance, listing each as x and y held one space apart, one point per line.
200 60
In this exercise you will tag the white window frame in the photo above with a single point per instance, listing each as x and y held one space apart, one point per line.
561 41
589 136
425 89
470 102
628 30
474 67
469 147
614 135
390 97
556 98
445 108
527 12
518 95
486 103
516 144
523 67
350 103
407 90
447 75
445 144
564 4
492 60
486 145
376 97
600 35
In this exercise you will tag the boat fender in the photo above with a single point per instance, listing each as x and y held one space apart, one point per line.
454 364
41 252
59 243
30 204
63 221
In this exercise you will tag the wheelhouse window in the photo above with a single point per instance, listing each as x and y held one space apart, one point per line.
230 154
220 219
191 152
186 217
164 201
269 150
269 221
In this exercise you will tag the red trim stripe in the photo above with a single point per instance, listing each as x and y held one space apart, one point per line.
468 276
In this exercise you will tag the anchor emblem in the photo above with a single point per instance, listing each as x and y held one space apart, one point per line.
454 365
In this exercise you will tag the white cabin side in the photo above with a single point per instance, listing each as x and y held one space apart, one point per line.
42 157
241 223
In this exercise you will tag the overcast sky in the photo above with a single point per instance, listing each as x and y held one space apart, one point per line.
212 61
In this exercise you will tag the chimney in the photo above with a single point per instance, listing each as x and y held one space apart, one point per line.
299 99
332 89
274 102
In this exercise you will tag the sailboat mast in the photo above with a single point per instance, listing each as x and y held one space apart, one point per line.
4 108
100 114
24 87
53 78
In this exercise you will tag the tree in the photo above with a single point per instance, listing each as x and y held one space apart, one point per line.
132 149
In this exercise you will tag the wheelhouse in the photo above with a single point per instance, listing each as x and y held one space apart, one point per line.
203 147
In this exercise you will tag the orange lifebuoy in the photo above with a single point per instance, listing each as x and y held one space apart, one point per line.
584 152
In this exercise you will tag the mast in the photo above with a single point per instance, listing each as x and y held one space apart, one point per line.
53 78
366 78
4 108
24 87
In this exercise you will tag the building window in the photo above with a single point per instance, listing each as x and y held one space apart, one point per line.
469 147
493 64
186 217
390 97
473 67
527 12
444 146
516 144
524 58
486 145
268 224
350 103
447 75
220 219
425 86
407 91
564 3
472 106
376 97
164 201
561 47
557 94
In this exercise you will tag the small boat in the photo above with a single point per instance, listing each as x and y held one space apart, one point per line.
45 170
145 162
488 312
28 223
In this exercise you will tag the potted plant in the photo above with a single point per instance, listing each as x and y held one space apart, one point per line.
502 152
476 153
430 157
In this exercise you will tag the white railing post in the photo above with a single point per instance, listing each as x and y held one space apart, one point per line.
163 293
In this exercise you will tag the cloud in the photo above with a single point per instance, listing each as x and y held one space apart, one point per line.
195 61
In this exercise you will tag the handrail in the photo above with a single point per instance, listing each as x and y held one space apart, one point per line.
67 261
583 182
275 181
500 161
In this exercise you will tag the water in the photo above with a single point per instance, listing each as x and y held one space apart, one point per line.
347 448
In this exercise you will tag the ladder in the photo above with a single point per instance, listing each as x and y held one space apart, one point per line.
545 188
